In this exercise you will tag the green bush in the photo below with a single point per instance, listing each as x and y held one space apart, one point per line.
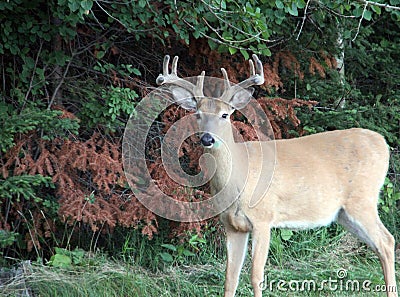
111 109
32 118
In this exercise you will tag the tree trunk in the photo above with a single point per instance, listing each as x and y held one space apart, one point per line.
57 77
340 103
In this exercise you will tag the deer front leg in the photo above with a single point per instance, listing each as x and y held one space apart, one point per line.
260 245
236 247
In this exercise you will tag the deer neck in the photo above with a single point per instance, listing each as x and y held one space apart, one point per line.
228 161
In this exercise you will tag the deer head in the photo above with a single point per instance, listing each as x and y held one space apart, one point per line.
213 114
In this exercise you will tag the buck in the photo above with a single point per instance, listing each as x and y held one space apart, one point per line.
312 181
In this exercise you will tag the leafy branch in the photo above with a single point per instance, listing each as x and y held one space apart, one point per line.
384 5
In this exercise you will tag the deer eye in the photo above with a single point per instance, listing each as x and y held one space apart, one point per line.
225 115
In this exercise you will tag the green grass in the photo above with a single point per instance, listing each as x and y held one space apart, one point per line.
308 256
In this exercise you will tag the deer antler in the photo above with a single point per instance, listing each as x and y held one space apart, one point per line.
173 79
256 78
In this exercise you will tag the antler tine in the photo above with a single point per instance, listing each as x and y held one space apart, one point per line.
165 64
256 75
227 94
173 78
227 83
256 78
198 89
162 77
252 71
175 66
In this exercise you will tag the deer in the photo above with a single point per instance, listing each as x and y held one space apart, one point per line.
315 180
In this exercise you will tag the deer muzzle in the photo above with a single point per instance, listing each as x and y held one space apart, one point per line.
207 140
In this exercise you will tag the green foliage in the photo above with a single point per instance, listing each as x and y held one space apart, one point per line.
181 253
7 238
21 29
20 196
124 70
131 246
32 118
174 254
286 234
24 187
373 59
64 258
229 26
114 103
380 118
391 196
164 252
370 90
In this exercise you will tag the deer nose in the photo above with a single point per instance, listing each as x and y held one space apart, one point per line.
207 139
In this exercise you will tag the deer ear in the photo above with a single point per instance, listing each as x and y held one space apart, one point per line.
241 98
184 98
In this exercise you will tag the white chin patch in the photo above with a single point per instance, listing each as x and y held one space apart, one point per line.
214 145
